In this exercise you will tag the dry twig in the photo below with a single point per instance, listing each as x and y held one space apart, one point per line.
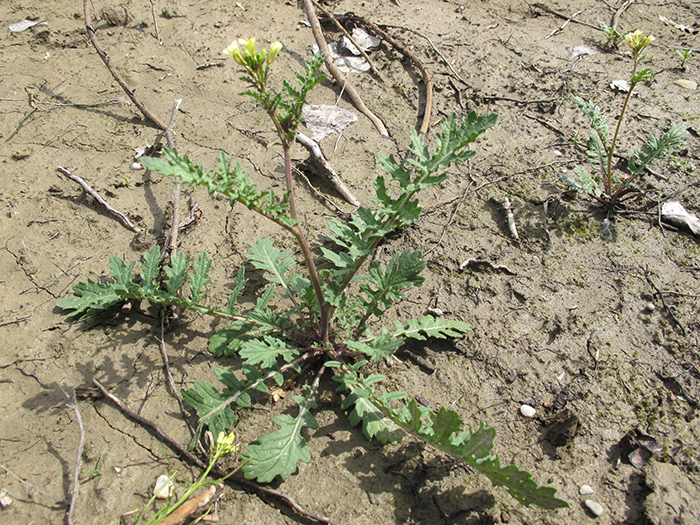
38 490
551 11
350 37
315 150
123 218
171 241
73 403
427 79
115 74
155 21
336 73
168 373
561 27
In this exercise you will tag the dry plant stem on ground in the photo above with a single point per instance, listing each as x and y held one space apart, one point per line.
337 24
315 150
93 40
171 241
189 507
336 73
73 403
123 218
378 31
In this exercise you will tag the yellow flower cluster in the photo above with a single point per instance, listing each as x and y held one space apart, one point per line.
244 52
637 41
226 444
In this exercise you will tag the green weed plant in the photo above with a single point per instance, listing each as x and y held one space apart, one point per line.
328 301
608 187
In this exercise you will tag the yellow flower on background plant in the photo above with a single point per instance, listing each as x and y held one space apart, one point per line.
637 41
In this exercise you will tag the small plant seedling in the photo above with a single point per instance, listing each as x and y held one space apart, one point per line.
613 36
684 55
98 467
608 188
332 302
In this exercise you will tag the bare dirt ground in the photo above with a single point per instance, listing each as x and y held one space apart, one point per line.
600 336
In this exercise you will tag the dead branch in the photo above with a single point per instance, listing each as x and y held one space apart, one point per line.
561 27
168 373
115 74
616 15
337 24
216 470
155 21
25 482
171 241
427 79
123 218
315 150
551 11
184 511
647 276
336 73
73 403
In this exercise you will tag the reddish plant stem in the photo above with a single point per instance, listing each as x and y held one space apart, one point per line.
608 178
305 248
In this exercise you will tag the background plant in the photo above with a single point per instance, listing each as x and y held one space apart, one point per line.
684 55
323 321
607 187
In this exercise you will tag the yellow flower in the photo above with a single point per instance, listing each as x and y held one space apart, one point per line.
637 41
226 445
234 51
275 48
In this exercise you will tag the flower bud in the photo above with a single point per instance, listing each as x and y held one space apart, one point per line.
274 49
249 45
637 41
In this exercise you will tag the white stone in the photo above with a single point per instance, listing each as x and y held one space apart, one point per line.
163 488
595 507
686 84
136 166
5 500
585 490
527 411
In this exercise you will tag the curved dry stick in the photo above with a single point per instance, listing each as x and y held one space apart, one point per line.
337 24
336 73
217 471
73 403
123 218
427 79
93 40
315 150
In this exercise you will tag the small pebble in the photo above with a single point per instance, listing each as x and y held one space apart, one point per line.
686 84
585 490
595 507
5 500
136 166
163 488
527 411
650 307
